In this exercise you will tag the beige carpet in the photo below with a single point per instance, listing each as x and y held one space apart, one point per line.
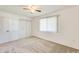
34 45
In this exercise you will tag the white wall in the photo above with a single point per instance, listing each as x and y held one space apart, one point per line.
68 28
18 26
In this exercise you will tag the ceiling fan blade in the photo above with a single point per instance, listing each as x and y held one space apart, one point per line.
38 10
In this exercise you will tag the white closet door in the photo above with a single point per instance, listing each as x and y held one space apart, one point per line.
5 35
9 29
14 28
28 28
25 28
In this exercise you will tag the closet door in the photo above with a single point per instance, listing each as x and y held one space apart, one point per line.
14 28
9 29
5 34
28 28
25 28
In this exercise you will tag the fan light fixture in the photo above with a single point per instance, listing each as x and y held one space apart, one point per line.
32 8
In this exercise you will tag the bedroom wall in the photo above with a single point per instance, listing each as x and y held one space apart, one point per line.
13 27
68 28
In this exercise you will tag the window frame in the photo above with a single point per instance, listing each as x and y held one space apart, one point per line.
57 16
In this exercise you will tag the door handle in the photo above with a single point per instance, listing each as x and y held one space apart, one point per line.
7 31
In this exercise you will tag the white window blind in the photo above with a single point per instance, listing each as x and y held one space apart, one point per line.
48 24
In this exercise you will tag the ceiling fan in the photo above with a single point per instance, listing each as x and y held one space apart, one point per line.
32 8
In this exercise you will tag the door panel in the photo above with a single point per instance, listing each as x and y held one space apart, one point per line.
5 34
13 29
25 28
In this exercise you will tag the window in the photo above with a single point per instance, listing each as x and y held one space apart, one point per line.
48 24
